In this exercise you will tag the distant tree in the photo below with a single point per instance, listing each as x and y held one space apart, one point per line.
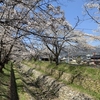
78 60
35 47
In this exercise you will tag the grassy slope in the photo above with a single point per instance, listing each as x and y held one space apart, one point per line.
23 95
91 72
5 83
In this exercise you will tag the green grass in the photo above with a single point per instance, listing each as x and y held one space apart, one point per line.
23 95
86 71
5 83
92 72
80 88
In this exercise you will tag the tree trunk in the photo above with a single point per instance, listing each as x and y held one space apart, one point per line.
50 58
57 60
1 67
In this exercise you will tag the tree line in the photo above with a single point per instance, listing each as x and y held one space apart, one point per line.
28 27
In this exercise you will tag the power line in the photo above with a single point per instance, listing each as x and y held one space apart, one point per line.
85 29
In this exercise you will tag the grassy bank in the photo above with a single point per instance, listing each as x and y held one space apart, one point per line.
87 72
5 83
23 95
92 72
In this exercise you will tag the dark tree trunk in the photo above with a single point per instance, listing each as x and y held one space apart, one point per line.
50 58
57 60
1 67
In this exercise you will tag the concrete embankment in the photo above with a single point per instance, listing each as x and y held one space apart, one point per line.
80 79
50 89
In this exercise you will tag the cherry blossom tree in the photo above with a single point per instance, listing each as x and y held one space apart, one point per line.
24 21
92 7
11 47
17 24
56 32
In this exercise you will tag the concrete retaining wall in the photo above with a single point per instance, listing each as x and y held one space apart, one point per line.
78 79
61 91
